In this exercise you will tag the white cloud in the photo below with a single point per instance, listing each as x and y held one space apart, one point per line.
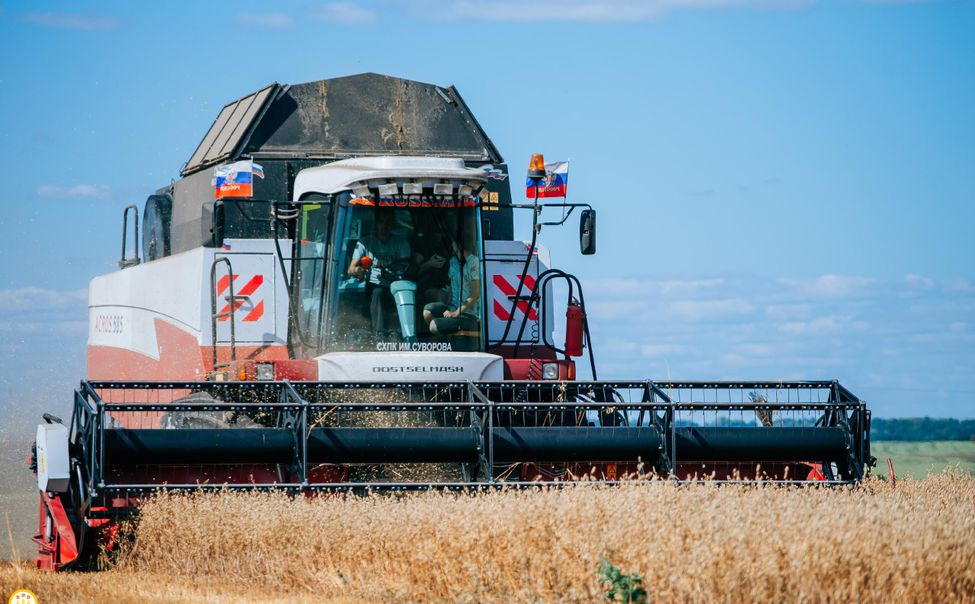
781 312
550 10
344 13
598 11
636 287
698 310
824 325
850 328
75 191
918 281
266 20
610 309
758 350
31 299
30 310
689 286
895 1
830 286
79 21
960 286
820 325
621 346
618 288
35 327
662 350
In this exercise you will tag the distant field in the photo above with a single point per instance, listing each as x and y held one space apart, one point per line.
917 459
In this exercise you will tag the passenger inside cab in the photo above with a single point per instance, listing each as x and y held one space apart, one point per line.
460 308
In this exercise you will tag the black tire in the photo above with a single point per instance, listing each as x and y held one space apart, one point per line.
156 222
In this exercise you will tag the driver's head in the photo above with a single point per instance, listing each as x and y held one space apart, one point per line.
385 218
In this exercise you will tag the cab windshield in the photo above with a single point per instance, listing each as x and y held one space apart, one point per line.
404 279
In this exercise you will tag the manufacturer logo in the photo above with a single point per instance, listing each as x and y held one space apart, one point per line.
110 324
414 369
22 596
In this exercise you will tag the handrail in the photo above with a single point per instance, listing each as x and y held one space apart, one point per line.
215 316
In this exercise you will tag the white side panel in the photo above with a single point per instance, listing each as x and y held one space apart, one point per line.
53 463
503 264
409 367
123 305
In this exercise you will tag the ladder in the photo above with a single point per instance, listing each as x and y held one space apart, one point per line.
215 316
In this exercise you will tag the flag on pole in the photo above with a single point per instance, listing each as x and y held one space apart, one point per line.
236 179
554 184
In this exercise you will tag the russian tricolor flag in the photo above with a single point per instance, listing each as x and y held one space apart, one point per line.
554 184
236 179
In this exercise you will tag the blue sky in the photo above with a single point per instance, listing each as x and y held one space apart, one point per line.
785 187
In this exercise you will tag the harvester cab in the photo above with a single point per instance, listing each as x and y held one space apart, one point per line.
332 298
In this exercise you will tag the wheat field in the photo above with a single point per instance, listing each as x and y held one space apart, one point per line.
690 543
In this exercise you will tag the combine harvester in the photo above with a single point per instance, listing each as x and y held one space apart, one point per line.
331 298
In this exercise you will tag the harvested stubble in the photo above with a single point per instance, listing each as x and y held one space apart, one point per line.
702 543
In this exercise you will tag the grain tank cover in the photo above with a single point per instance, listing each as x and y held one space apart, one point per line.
365 114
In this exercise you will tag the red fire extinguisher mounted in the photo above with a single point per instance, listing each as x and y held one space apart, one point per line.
575 327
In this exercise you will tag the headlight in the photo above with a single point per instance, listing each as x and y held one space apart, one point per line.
550 371
265 372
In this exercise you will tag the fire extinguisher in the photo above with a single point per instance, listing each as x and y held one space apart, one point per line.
575 326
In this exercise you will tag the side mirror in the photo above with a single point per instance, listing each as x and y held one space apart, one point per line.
216 228
587 232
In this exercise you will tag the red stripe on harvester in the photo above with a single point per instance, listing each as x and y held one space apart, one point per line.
257 313
251 286
499 311
224 283
506 288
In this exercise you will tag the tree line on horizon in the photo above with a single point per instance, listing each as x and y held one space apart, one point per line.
901 428
922 428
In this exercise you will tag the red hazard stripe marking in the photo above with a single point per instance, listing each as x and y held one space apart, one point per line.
248 289
507 289
257 313
252 285
500 312
224 283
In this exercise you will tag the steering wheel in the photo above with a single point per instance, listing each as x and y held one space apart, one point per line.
397 270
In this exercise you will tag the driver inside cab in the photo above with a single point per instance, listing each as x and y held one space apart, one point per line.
379 249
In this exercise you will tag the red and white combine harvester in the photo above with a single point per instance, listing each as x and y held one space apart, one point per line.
331 298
